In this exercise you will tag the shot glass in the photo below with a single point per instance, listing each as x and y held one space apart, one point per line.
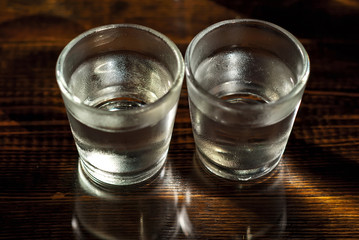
245 81
120 85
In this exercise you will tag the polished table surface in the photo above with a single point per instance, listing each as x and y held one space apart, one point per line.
313 194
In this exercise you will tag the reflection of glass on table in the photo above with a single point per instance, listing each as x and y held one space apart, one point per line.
132 212
221 209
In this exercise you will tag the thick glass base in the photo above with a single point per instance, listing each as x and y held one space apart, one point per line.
236 174
108 179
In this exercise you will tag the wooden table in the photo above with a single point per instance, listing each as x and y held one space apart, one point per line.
313 194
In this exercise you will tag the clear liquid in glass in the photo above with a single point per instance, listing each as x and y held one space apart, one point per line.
119 81
242 76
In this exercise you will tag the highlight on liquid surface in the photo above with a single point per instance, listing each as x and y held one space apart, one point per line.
120 103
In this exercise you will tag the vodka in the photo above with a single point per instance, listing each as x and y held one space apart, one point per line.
242 76
120 81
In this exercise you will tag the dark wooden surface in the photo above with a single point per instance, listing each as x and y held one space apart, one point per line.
313 194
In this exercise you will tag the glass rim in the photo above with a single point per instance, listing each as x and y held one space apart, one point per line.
298 87
177 80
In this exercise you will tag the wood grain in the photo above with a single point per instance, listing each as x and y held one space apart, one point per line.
313 194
